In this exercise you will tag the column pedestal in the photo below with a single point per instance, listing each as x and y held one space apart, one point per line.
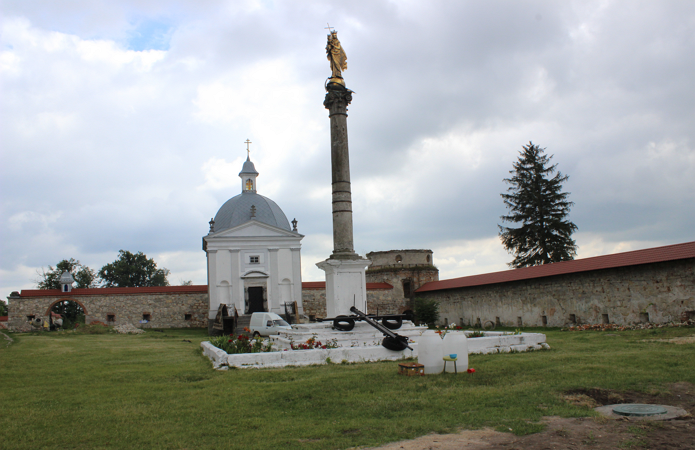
346 285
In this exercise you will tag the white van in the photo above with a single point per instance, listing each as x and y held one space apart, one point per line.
267 323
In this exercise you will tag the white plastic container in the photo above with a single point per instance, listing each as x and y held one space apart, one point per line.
430 351
456 342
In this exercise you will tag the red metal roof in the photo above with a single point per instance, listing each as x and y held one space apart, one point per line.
322 285
634 258
162 290
118 290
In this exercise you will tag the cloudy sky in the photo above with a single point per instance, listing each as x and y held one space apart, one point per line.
123 123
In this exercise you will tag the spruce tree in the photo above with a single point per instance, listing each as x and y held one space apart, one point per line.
536 201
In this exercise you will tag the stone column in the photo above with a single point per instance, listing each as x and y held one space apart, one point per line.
213 299
345 269
337 99
236 290
297 278
273 284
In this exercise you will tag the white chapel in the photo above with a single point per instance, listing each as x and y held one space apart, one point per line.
253 254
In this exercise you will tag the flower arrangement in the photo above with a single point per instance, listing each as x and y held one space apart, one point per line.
312 343
242 344
442 331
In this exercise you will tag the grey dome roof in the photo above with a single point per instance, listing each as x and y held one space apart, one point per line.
237 210
66 278
248 167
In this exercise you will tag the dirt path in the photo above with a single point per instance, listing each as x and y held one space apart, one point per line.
595 433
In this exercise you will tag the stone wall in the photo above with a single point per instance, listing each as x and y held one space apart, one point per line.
166 310
658 292
395 276
314 300
400 257
384 301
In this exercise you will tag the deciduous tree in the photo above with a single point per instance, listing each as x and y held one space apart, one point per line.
50 279
536 201
133 270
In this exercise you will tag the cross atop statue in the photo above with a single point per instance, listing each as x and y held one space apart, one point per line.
248 151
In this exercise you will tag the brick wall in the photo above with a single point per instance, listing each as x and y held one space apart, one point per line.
658 292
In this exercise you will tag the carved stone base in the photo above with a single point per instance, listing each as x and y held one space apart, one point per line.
346 285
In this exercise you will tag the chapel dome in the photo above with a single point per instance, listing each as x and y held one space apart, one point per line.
248 167
66 278
237 210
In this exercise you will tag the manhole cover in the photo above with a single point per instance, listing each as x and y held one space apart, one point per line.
639 410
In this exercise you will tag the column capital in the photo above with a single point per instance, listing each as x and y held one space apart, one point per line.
337 98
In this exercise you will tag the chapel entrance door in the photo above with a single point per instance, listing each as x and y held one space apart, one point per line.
255 299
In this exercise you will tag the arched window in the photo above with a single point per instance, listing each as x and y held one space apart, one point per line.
249 184
407 288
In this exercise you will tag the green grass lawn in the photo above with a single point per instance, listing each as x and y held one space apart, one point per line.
158 391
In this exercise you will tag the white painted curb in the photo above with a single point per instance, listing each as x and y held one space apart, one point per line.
493 342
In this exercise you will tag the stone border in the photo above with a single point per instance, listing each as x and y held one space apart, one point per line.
497 343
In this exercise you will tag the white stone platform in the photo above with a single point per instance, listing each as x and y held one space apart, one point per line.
362 344
363 335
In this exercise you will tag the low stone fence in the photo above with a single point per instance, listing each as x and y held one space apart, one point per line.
161 307
657 293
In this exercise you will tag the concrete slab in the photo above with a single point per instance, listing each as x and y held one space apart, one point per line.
672 412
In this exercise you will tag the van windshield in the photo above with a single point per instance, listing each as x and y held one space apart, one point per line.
281 323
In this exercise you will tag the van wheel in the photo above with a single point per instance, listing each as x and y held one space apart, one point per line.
256 334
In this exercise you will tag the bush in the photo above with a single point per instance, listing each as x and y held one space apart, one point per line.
426 311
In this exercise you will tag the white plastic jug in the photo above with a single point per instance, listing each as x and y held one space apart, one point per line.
430 351
456 342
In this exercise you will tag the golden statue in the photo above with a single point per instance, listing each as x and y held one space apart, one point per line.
336 55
